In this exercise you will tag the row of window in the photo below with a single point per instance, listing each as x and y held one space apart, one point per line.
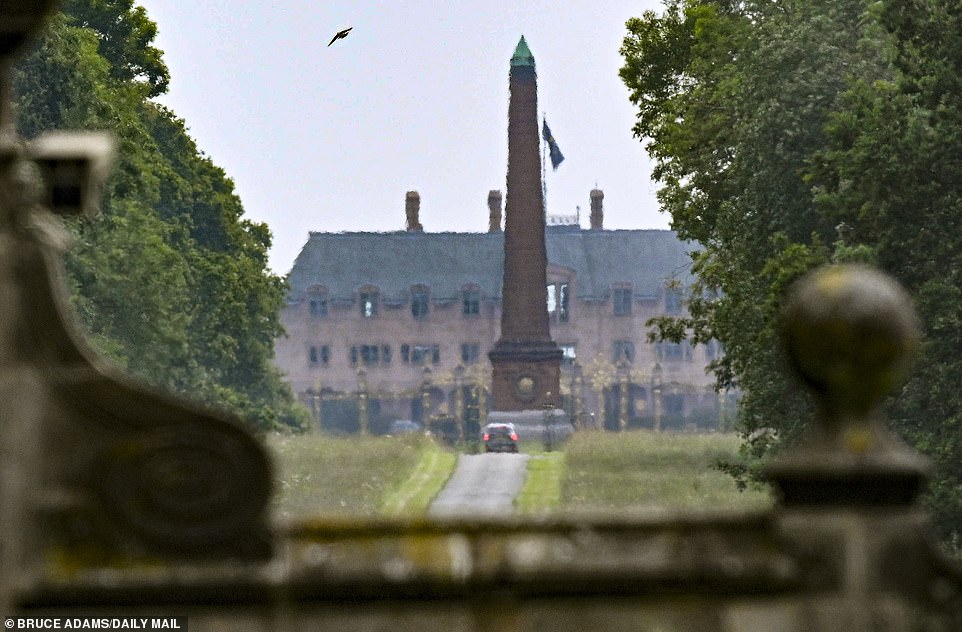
421 354
420 304
674 351
558 302
621 299
380 355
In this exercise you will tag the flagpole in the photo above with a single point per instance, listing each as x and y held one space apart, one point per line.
544 178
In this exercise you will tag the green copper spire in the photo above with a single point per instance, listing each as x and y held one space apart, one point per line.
522 55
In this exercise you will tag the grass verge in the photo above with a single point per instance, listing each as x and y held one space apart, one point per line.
542 487
414 495
644 470
318 475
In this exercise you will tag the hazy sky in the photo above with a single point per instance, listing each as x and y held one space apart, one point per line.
415 98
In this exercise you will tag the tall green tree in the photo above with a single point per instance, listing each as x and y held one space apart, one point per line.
890 175
170 279
126 37
732 99
792 133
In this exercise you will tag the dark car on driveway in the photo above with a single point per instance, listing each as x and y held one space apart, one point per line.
500 437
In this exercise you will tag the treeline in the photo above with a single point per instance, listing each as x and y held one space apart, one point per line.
170 280
792 133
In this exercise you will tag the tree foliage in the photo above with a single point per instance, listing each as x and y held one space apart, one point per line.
170 280
791 133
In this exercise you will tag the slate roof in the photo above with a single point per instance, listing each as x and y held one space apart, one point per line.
446 262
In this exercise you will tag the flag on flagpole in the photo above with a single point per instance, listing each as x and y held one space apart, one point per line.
553 151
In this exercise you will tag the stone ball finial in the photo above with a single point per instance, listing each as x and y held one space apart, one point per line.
850 333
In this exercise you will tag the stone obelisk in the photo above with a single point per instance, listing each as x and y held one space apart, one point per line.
526 362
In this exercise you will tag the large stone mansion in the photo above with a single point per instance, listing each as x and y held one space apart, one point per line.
398 325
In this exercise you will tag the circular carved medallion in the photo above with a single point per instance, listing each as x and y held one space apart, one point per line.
524 388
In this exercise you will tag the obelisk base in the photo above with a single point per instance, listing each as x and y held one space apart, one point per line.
526 376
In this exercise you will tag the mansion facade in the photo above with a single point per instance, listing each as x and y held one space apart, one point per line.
398 325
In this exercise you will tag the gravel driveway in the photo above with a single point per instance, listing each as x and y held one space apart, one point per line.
482 485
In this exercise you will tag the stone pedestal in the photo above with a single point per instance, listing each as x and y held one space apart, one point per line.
527 376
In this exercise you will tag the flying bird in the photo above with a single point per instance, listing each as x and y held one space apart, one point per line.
340 35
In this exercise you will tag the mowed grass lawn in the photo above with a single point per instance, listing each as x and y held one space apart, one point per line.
319 475
649 471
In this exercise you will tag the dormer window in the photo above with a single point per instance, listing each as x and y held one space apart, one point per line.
673 299
317 301
471 301
368 300
419 302
621 297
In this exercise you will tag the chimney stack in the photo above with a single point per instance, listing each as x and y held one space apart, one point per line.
494 206
597 209
412 207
